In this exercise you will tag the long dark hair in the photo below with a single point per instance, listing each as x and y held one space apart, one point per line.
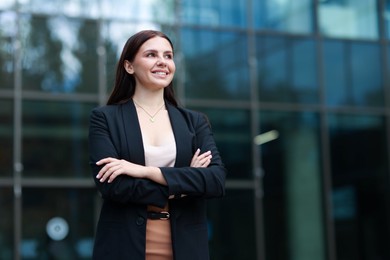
124 87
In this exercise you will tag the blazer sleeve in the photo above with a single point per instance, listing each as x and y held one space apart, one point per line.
124 189
199 182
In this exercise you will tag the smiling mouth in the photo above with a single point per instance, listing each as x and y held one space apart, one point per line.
160 73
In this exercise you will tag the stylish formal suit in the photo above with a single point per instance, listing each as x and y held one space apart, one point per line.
115 132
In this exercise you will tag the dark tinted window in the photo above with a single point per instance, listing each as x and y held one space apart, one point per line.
58 223
55 139
292 184
215 65
6 138
215 13
287 70
352 74
360 192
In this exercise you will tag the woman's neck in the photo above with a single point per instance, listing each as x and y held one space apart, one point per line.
149 99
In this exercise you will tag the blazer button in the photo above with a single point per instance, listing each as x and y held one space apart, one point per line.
140 221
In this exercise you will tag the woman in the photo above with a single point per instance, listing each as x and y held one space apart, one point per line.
154 163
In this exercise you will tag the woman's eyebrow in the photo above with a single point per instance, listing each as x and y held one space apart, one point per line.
154 50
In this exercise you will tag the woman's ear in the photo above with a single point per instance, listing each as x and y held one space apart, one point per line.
128 67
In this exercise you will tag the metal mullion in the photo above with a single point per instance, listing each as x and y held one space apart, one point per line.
67 97
255 125
102 61
327 186
69 182
17 141
180 79
216 103
386 87
6 182
4 94
381 20
240 184
329 237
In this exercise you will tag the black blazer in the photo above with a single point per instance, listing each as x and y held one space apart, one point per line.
115 132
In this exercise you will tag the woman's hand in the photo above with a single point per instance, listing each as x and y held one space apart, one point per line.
201 160
115 167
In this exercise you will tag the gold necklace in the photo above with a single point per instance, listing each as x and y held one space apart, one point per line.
151 117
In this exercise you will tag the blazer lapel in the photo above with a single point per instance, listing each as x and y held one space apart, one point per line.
132 133
184 136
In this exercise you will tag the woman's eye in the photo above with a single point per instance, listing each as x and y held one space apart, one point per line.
150 55
169 56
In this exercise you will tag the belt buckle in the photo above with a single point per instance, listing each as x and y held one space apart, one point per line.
166 215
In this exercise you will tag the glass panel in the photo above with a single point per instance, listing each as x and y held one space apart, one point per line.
6 4
216 13
6 138
55 139
287 16
58 223
292 187
60 55
7 33
231 129
386 70
348 80
151 10
89 8
366 76
335 72
386 18
349 19
287 70
115 36
229 241
304 71
215 64
360 190
6 223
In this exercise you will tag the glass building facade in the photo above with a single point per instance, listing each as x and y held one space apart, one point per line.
313 71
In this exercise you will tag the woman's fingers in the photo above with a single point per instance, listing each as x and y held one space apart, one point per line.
106 160
197 152
111 173
204 155
111 170
205 161
202 160
195 157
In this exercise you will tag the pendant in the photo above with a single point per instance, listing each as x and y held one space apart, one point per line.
151 119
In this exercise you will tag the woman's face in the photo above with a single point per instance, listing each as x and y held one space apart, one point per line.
153 66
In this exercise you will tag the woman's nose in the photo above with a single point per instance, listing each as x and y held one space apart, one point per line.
161 62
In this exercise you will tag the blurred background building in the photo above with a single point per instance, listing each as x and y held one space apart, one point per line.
315 71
